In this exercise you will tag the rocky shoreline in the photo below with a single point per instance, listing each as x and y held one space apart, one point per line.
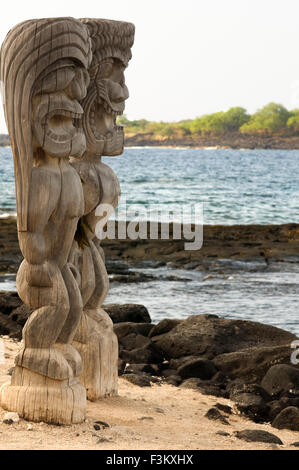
247 362
231 140
262 243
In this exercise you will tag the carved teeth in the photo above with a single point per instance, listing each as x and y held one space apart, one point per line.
76 122
59 138
64 112
109 135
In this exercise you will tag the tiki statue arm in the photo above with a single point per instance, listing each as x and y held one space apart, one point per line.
42 201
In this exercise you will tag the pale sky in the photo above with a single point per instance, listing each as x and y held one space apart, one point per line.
193 57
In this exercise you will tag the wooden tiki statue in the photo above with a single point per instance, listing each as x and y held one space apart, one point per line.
44 65
105 100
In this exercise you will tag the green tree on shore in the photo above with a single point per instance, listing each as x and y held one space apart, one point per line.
293 121
271 119
235 117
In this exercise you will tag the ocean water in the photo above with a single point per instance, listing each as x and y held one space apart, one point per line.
247 290
244 290
235 187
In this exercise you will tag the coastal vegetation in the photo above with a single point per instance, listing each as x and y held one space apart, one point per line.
272 119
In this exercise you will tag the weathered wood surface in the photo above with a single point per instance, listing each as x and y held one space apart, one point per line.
45 72
105 100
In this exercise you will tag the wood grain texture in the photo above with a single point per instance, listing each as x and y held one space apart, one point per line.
44 71
63 82
105 100
38 398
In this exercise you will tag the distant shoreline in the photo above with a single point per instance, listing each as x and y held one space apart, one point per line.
227 141
233 140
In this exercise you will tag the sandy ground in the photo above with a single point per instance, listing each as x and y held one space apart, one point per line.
159 417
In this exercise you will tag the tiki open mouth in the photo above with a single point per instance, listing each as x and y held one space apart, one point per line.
101 123
106 133
116 130
115 109
114 142
58 125
61 125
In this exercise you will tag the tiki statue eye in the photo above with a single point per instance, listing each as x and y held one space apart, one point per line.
105 69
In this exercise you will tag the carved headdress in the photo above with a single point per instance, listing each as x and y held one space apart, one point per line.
30 51
110 38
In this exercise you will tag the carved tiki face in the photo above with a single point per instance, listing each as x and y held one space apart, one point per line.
57 114
105 100
44 65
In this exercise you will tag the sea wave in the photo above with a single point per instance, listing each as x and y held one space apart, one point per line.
4 214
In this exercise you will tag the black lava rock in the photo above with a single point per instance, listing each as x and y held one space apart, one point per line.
280 378
164 326
257 435
214 414
127 313
287 419
200 368
140 380
225 408
174 380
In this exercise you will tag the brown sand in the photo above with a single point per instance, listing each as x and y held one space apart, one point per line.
157 417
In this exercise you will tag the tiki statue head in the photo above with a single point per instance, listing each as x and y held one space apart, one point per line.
44 66
107 92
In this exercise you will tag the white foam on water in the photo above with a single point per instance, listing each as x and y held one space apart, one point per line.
5 215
